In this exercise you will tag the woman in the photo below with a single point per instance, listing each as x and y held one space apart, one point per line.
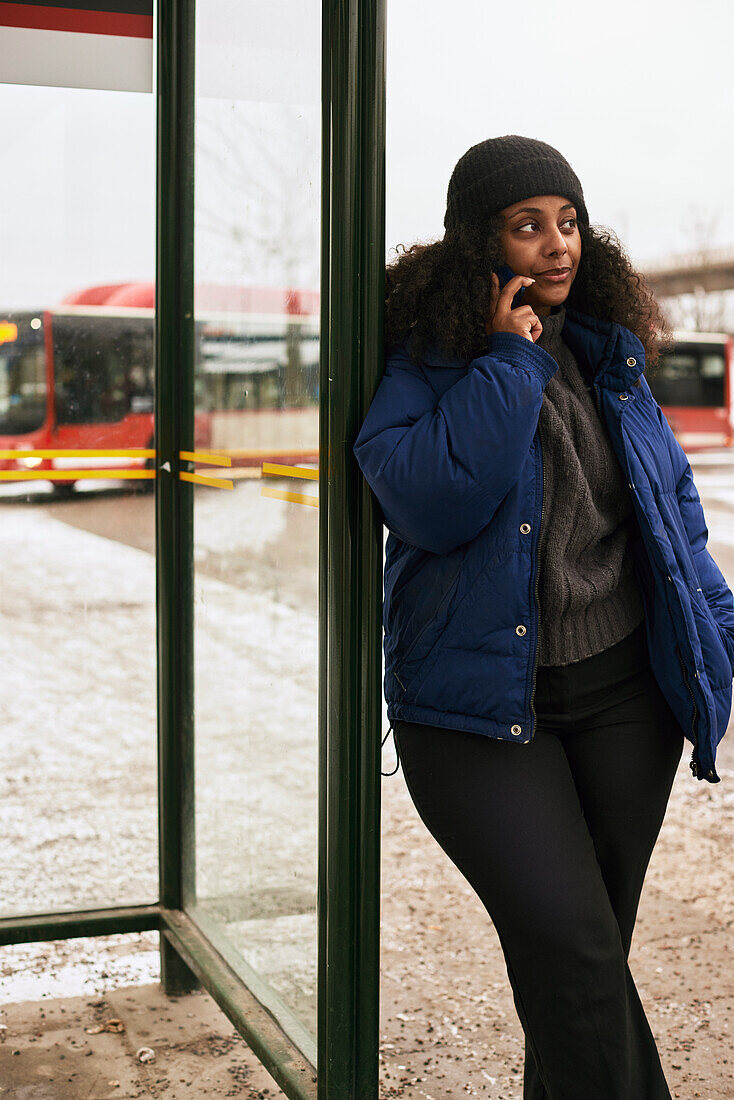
554 624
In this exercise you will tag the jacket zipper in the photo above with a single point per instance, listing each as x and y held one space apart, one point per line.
597 400
693 763
537 575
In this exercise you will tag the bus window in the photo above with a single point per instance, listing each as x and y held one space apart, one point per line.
103 371
270 390
138 357
690 376
712 365
22 387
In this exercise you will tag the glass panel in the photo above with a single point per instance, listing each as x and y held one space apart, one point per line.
256 546
77 603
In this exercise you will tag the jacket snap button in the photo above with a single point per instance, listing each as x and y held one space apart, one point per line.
515 730
669 577
521 630
524 527
631 362
623 396
711 775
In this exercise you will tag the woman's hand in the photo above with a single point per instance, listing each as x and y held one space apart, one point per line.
523 320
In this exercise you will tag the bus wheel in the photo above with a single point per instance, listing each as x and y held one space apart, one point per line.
64 490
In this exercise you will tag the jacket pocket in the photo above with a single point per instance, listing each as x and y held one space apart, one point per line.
435 615
717 663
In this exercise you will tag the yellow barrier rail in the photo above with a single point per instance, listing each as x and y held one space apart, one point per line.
114 474
201 479
202 456
131 452
211 460
294 498
76 475
276 470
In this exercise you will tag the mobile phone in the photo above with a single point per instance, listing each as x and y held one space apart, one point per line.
504 274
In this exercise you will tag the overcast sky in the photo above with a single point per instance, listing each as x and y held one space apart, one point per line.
638 96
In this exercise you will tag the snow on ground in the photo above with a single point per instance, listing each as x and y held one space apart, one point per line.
78 723
83 967
77 718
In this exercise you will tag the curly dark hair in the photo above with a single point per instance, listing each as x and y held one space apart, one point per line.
440 291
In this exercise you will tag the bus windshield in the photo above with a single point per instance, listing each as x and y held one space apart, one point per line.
22 387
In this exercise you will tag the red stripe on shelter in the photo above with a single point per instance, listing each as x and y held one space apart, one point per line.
85 21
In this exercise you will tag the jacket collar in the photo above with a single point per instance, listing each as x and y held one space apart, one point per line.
614 354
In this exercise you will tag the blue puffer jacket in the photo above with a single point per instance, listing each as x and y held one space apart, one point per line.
451 450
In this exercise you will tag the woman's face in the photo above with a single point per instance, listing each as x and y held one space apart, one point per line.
540 235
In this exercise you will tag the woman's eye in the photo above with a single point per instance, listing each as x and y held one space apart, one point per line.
535 225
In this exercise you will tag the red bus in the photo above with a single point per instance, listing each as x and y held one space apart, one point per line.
80 377
693 385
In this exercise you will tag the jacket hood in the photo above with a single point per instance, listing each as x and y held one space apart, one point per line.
612 352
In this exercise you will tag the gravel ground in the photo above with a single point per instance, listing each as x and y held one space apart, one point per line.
132 1043
449 1026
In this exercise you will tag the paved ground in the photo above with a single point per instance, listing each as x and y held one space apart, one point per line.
449 1027
48 1052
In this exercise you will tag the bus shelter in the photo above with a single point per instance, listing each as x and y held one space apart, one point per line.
267 697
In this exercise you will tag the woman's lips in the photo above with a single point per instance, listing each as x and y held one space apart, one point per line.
554 278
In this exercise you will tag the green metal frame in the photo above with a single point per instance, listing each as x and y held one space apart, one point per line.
83 922
350 591
174 418
350 581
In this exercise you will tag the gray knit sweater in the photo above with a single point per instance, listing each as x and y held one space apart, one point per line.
589 596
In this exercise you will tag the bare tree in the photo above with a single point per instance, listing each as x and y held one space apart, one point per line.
257 206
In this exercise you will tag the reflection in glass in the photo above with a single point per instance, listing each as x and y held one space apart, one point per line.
256 650
256 547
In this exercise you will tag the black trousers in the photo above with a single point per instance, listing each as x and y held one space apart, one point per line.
555 836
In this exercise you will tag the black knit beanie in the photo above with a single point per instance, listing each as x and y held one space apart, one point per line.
504 170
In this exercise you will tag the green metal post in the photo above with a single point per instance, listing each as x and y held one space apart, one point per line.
174 409
350 588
